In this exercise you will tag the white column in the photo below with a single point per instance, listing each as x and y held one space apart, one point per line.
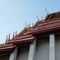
51 47
13 54
32 50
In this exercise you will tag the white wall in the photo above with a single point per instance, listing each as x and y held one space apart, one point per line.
42 51
57 48
23 54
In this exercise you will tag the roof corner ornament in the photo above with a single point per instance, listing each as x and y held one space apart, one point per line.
32 24
38 18
27 25
41 18
8 37
14 34
46 11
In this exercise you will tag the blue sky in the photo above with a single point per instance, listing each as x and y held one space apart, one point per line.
14 13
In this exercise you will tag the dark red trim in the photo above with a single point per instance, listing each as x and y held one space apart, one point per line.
28 39
46 26
5 48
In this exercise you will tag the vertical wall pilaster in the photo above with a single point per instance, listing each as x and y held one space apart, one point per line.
32 50
13 54
51 47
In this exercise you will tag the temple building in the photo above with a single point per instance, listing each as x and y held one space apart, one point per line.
38 42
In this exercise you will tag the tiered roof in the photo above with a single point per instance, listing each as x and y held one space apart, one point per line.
50 23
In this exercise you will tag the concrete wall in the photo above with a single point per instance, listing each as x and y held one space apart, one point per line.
23 54
57 48
42 50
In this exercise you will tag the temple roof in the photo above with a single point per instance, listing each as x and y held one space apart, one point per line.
50 23
23 36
